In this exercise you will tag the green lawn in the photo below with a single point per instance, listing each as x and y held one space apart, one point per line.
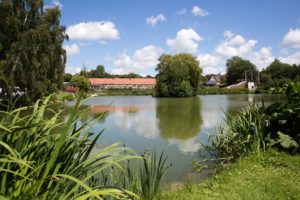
271 175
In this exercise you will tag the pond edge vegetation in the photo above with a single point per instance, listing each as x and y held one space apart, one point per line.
46 157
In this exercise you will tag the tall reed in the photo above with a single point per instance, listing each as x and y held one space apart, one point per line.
243 132
50 158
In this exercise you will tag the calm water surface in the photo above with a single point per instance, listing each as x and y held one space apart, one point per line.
177 126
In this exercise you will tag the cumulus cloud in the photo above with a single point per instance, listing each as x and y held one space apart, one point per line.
197 11
94 30
211 64
142 59
262 58
186 40
235 45
291 59
292 38
72 49
152 21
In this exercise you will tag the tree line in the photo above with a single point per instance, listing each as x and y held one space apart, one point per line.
274 75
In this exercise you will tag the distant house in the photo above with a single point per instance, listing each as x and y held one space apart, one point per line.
122 83
213 80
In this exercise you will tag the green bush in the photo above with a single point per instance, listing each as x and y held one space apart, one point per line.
254 128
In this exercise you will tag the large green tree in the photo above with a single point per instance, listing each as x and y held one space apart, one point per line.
236 69
31 53
178 75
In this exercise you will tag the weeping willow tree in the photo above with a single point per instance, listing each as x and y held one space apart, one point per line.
31 55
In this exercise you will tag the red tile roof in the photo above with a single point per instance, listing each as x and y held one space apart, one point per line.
122 81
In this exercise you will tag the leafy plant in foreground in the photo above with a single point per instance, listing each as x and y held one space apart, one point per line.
48 158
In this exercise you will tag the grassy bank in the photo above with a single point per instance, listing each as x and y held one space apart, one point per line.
222 91
270 175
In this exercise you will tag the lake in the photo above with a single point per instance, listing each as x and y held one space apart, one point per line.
177 126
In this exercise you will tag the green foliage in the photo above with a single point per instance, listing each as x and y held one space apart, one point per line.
31 57
46 158
222 91
68 97
67 77
151 173
284 119
178 76
236 68
243 133
277 74
81 82
254 128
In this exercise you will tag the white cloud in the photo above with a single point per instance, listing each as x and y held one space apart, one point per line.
123 61
142 59
119 71
262 58
235 45
146 57
152 21
291 59
292 38
95 30
197 11
186 41
72 49
211 64
57 3
182 12
72 70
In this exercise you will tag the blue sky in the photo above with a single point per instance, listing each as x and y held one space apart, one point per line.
130 35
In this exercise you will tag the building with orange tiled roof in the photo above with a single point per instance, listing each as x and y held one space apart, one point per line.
122 83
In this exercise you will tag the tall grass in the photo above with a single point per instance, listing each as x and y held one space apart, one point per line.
49 158
44 156
242 133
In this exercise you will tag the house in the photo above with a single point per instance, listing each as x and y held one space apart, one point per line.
122 83
213 80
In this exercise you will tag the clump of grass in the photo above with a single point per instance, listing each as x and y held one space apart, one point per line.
243 132
49 158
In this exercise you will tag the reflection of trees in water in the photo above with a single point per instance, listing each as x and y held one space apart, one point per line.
179 118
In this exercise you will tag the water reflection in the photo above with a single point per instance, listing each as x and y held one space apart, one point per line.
178 118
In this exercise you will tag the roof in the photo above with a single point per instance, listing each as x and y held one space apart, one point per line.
122 81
